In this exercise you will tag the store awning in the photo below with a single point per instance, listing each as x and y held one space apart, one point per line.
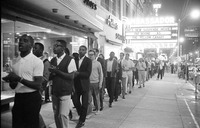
40 12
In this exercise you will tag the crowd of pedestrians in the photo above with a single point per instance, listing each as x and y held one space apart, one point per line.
72 77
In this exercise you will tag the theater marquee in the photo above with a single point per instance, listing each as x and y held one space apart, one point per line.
162 29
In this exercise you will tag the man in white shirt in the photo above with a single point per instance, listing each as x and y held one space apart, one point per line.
127 68
26 79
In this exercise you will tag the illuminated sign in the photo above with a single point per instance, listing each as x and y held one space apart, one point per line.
151 45
152 30
151 33
192 32
153 20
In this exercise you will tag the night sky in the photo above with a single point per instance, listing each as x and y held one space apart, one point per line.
175 8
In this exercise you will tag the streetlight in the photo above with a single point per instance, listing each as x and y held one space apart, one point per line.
181 39
194 14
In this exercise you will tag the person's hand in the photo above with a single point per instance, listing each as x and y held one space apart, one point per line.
53 69
11 77
120 81
100 86
76 74
13 84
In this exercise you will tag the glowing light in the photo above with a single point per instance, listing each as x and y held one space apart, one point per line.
181 39
195 14
153 20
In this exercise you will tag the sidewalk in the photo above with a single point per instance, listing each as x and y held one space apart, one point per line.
167 103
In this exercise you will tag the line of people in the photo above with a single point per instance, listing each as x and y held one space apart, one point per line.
76 78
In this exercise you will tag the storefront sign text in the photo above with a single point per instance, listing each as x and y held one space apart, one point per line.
118 36
111 23
153 20
90 4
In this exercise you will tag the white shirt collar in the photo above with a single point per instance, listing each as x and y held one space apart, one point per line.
27 56
61 57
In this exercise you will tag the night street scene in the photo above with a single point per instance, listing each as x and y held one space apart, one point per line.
100 63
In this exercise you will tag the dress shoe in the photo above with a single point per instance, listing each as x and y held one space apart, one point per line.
115 99
110 105
123 97
94 109
101 108
80 124
139 87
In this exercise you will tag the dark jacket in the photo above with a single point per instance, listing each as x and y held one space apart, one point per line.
61 86
114 68
84 75
102 61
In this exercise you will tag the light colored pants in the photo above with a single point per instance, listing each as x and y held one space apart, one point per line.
61 107
123 86
94 94
129 82
141 75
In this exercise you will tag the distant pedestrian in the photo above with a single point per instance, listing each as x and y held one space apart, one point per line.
172 68
160 70
111 69
127 68
118 84
141 72
124 75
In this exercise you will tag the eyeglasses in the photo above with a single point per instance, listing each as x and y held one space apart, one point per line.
91 54
57 45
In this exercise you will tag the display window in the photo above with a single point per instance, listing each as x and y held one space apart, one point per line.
12 30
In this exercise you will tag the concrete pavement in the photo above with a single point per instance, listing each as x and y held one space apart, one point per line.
167 103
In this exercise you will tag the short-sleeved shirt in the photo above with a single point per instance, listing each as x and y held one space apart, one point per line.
127 64
27 67
71 66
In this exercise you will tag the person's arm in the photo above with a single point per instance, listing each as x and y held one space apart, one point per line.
132 65
46 70
100 75
14 79
36 84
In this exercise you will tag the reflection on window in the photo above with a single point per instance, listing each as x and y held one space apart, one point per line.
10 47
112 6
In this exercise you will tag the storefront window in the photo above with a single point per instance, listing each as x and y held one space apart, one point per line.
8 43
12 30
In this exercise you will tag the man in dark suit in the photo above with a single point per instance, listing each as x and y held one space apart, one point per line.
81 84
111 66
